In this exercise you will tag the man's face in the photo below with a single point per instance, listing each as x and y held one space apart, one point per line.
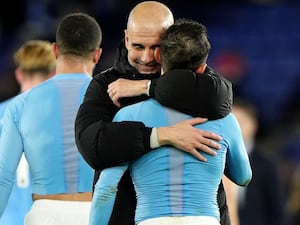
141 46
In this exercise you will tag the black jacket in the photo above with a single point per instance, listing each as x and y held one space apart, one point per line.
207 95
103 143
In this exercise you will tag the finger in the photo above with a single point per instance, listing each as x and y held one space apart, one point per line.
210 143
210 135
206 149
198 155
115 100
195 121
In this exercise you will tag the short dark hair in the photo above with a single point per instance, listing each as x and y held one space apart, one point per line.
184 45
78 34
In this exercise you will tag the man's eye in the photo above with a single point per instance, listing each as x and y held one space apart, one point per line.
138 47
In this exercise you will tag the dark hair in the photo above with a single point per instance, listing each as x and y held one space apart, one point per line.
78 34
184 45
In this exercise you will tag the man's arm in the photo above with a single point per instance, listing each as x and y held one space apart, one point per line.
105 194
207 95
237 160
101 142
11 150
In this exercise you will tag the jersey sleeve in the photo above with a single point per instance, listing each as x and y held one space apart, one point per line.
10 154
237 165
105 194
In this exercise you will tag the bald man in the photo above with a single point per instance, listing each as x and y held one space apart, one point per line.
104 143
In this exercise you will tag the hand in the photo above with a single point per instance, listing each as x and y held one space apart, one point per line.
126 88
189 139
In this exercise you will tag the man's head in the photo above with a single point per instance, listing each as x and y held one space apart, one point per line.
35 62
184 45
146 22
78 35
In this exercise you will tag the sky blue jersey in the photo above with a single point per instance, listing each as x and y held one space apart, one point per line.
169 182
40 123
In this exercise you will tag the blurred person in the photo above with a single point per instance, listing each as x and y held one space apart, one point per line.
104 143
35 63
39 122
185 189
262 201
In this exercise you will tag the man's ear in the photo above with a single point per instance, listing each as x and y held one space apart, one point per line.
157 55
126 38
97 55
55 49
201 68
19 75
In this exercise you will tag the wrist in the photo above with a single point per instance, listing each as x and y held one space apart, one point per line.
154 139
162 136
146 87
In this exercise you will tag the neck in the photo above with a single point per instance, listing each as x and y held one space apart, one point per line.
74 65
33 81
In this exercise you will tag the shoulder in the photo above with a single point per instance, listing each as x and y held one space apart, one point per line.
107 76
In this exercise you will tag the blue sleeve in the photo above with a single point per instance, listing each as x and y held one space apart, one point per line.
10 151
105 191
105 194
238 167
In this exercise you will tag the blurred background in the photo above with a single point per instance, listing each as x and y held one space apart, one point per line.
255 44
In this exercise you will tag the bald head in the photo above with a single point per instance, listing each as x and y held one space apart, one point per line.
150 14
146 22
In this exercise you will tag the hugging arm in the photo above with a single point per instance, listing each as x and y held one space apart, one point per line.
104 143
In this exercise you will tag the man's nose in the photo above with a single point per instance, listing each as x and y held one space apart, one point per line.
148 56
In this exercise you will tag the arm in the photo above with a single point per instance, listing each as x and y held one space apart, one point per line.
9 158
207 95
237 166
231 190
105 194
101 142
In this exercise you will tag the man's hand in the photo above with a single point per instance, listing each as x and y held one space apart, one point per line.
126 88
189 139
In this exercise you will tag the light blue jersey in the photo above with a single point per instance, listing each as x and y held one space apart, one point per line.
40 123
169 182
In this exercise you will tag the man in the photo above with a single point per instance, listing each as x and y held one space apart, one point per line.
175 188
264 196
103 143
40 123
35 63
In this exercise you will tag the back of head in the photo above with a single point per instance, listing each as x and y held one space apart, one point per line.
35 57
150 15
184 45
78 34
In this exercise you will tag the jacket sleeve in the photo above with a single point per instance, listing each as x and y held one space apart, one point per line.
206 95
104 143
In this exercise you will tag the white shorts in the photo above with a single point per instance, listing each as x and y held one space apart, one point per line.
181 220
56 212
